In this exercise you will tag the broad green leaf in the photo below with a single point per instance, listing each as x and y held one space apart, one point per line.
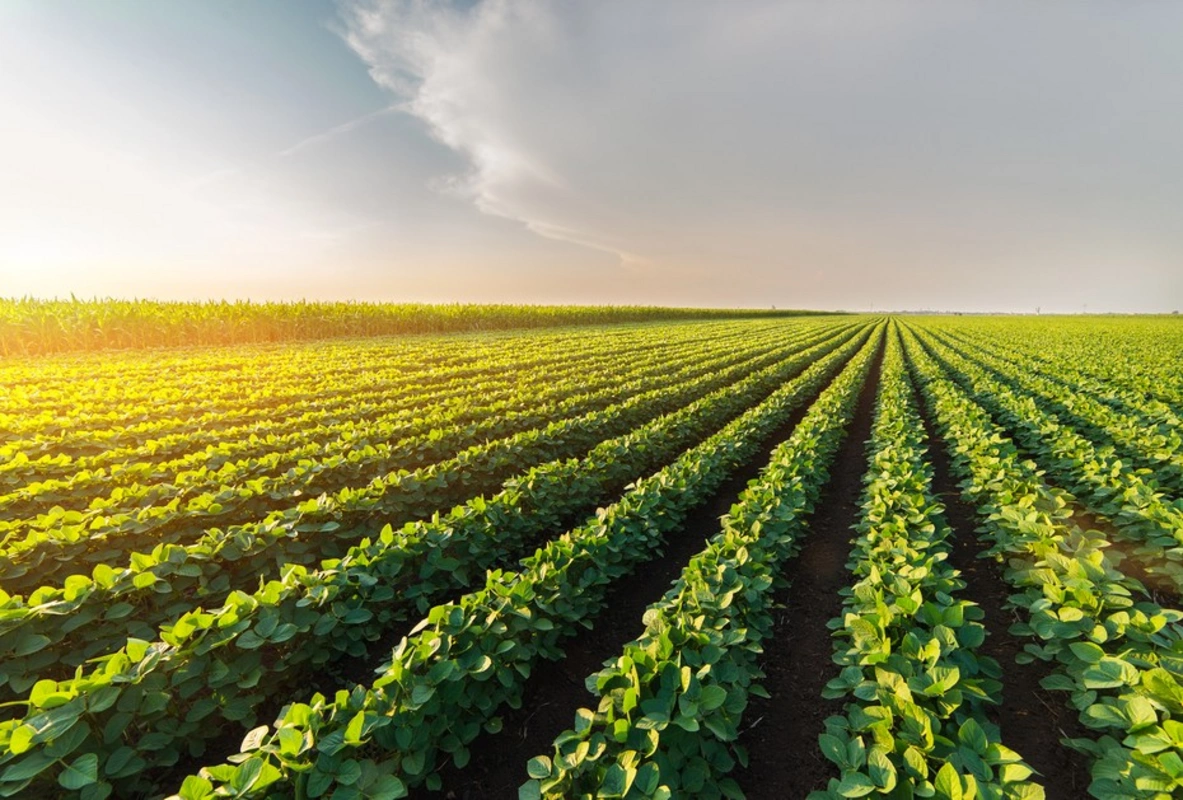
855 784
80 772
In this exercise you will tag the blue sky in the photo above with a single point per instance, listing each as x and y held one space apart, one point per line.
971 156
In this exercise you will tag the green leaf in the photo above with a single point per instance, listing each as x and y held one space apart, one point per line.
118 760
66 743
354 728
1087 651
196 788
102 699
42 690
1013 773
881 770
414 763
1109 673
356 616
584 719
387 787
855 784
100 790
349 773
319 782
1103 715
1140 713
22 739
1173 765
246 774
290 741
538 767
30 766
31 644
249 640
833 748
254 739
712 697
81 772
616 781
119 611
972 736
648 778
421 694
948 783
916 762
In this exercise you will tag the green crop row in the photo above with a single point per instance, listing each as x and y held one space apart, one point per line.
371 387
219 392
212 663
175 515
469 659
916 689
244 383
1111 489
380 445
1136 354
670 706
1117 656
162 512
1157 447
60 627
1110 390
32 326
399 495
367 435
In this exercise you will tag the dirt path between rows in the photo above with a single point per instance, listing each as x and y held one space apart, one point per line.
1032 720
556 689
781 732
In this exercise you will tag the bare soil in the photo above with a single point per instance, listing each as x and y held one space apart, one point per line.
1031 719
781 737
557 689
1159 588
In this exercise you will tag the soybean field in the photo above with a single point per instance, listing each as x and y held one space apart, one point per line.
787 556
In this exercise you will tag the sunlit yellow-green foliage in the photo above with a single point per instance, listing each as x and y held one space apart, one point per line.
30 326
193 537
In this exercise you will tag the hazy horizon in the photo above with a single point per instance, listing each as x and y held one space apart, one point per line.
863 156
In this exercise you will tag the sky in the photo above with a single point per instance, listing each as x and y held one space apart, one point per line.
879 155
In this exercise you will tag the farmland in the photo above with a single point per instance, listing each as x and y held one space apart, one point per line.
778 556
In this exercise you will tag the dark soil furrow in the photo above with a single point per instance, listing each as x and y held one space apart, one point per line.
556 689
347 672
1159 588
354 671
781 731
1031 719
1121 552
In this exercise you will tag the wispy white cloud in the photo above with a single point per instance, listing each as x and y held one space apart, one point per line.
437 57
224 174
336 130
857 151
972 154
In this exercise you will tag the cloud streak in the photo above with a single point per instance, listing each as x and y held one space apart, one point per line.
335 131
977 155
436 57
888 153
